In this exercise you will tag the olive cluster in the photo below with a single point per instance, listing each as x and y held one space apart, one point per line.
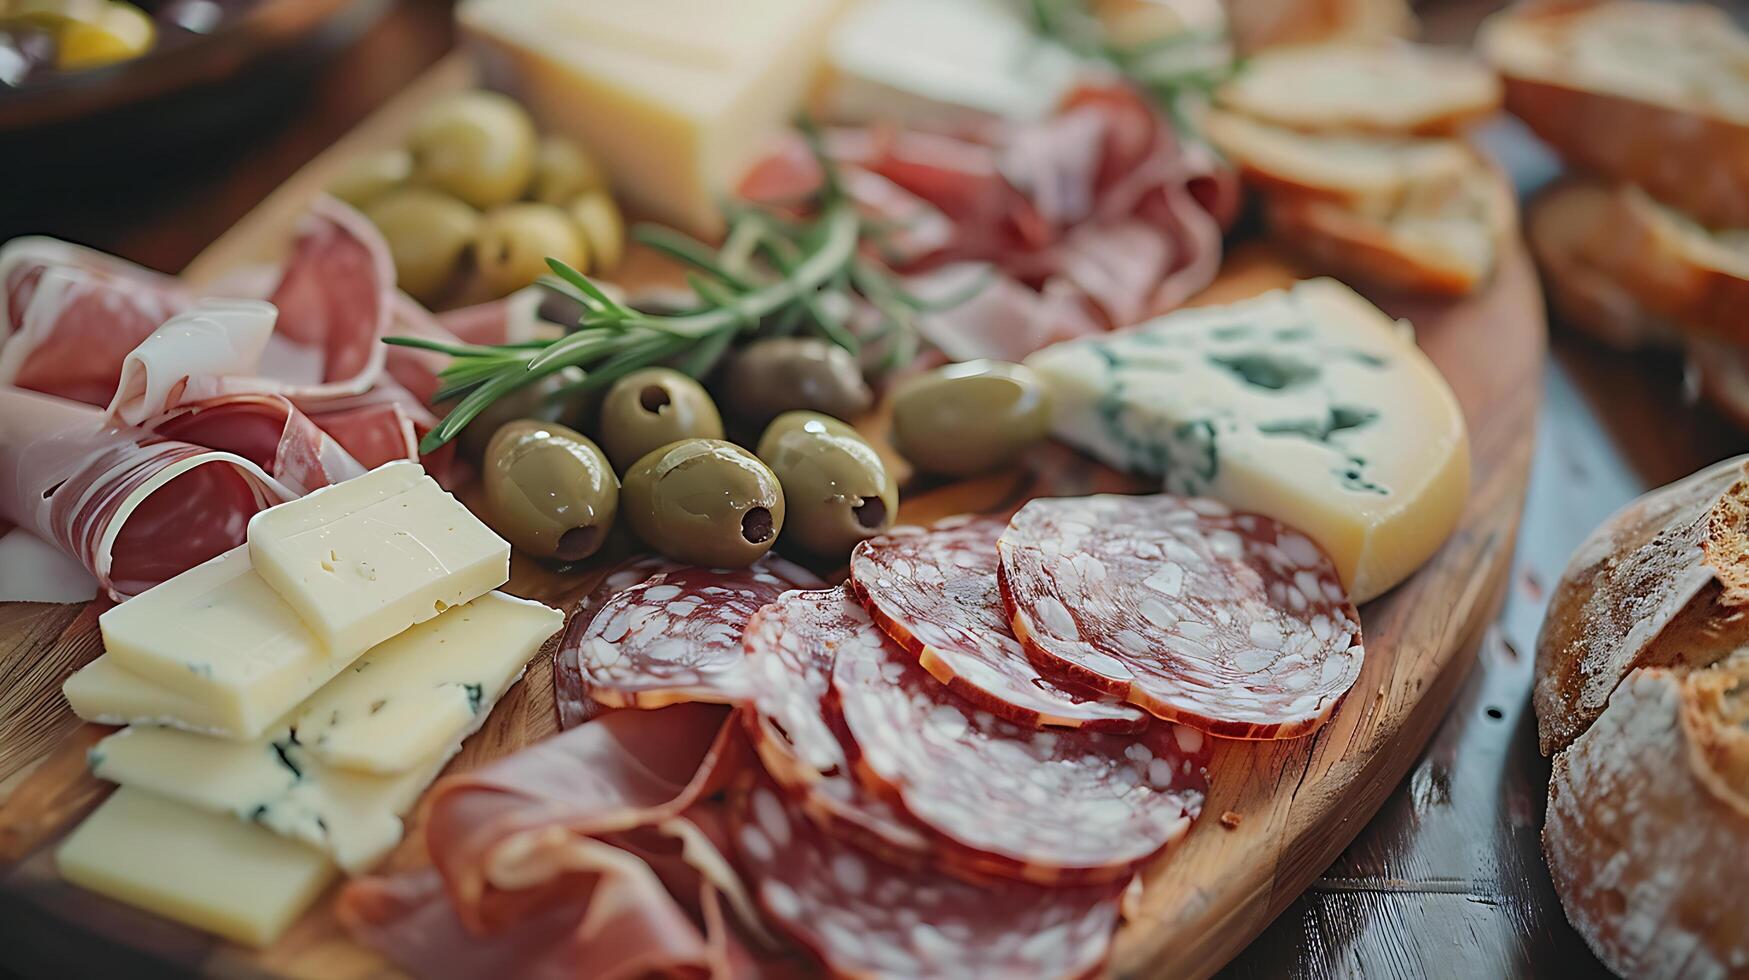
475 201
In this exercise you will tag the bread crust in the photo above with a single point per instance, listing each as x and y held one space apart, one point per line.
1382 87
1561 224
1676 268
1690 155
1259 24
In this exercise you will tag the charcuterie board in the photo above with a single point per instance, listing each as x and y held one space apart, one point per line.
1279 812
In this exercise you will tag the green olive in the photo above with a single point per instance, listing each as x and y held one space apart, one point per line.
651 408
549 490
602 226
533 402
516 240
427 233
771 377
372 176
478 146
563 170
835 486
706 502
962 419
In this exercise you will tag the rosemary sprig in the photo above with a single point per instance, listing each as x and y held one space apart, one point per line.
775 275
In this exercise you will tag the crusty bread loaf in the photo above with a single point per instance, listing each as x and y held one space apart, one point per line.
1719 373
1443 244
1391 87
1564 224
1654 94
1647 836
1690 275
1375 173
1259 24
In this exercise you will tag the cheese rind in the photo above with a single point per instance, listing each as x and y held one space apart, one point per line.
362 560
105 693
1304 405
199 868
219 635
408 698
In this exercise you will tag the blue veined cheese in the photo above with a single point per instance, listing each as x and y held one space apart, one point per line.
105 693
1307 405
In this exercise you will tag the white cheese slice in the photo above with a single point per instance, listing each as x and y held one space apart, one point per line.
219 635
942 62
281 781
411 696
1305 405
362 560
105 693
199 868
675 97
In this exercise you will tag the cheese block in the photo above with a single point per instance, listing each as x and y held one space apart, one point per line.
362 560
675 97
1306 405
941 63
199 868
411 697
282 782
105 693
219 636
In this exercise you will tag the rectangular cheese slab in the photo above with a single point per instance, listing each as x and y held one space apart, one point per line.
105 693
219 635
1307 405
701 85
201 869
411 697
362 560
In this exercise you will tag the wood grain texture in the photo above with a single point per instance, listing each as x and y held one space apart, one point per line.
1299 803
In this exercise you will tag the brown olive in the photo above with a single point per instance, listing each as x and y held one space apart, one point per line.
774 376
516 240
651 408
549 490
835 486
427 233
534 402
478 146
705 501
962 419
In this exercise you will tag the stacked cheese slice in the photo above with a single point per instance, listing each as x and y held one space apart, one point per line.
288 701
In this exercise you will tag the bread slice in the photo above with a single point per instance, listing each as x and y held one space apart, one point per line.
1393 87
1690 275
1443 244
1647 835
1654 94
1564 225
1664 582
1369 172
1260 24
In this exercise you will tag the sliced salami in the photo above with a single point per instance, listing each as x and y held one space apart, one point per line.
1045 806
935 592
676 635
574 703
865 918
1232 623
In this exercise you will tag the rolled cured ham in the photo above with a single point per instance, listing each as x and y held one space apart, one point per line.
133 506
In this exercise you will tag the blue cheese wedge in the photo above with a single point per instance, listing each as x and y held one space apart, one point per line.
1308 405
202 869
362 560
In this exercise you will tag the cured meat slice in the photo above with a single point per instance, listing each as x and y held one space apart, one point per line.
131 506
269 431
865 918
574 704
1232 623
1045 806
676 636
935 592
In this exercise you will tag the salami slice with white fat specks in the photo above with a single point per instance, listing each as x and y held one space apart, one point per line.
1232 623
865 918
676 635
1045 806
935 592
569 691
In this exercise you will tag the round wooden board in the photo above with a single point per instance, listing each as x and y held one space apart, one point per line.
1278 812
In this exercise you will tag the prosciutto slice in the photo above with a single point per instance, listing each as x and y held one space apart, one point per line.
133 506
269 431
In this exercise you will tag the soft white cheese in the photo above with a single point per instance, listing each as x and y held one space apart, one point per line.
1305 405
105 693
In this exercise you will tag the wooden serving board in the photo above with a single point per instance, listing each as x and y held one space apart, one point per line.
1278 813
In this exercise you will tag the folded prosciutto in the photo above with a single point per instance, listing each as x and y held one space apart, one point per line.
133 506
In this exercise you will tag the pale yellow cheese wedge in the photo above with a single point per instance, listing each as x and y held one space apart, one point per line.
202 869
106 693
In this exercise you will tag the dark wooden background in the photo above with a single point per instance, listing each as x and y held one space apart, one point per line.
1448 879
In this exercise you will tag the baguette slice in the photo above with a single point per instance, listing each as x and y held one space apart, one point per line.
1663 583
1654 94
1443 244
1399 88
1647 836
1564 225
1690 275
1259 24
1368 172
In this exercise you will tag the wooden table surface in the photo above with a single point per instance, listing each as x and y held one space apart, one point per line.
1448 878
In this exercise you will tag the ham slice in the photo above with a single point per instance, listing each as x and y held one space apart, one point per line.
269 431
133 506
